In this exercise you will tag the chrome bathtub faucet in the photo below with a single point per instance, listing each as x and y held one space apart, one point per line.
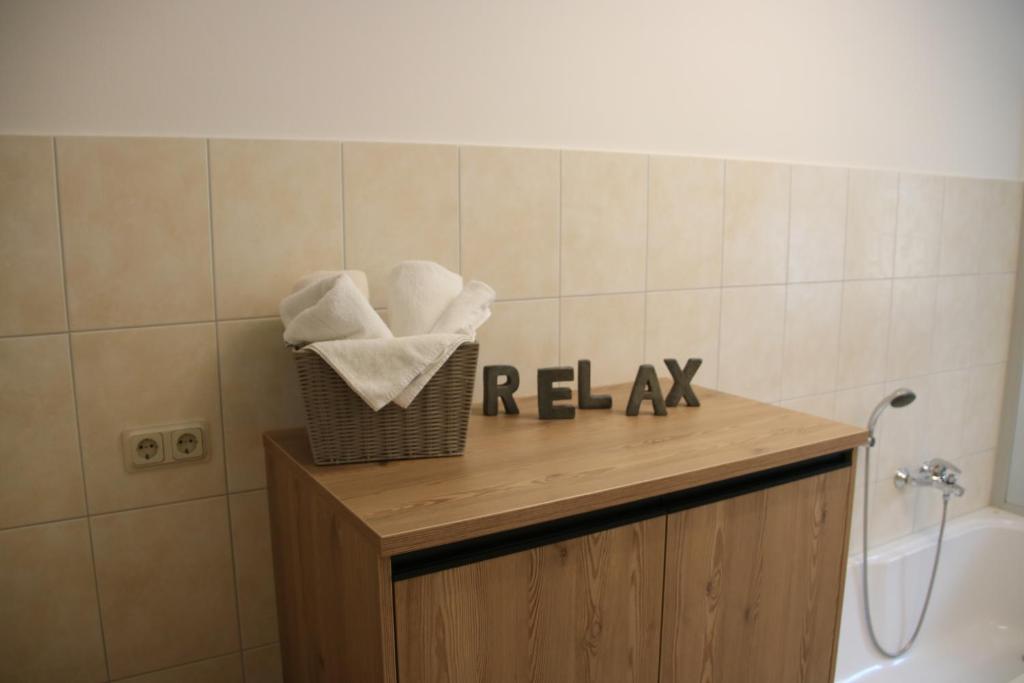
937 473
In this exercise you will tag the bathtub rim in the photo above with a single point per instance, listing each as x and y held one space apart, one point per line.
924 539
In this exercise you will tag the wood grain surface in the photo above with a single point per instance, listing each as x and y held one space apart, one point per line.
753 585
334 599
586 610
518 470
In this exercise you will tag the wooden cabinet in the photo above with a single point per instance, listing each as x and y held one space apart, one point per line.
707 547
583 609
753 585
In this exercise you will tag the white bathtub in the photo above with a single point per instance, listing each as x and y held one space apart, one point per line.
974 632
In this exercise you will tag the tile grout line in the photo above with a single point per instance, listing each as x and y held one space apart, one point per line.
137 508
842 291
561 172
270 316
842 286
721 278
78 421
786 285
647 256
190 662
220 401
888 346
892 272
458 203
341 217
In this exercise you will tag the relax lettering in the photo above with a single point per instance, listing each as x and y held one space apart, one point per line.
646 387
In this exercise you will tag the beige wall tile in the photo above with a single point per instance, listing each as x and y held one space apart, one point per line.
750 361
165 583
259 392
684 244
955 319
509 205
49 619
854 406
980 227
817 228
226 669
997 248
523 334
136 226
756 223
983 407
946 403
864 332
684 325
910 327
604 222
608 330
928 514
918 225
811 351
254 568
401 202
992 318
892 514
977 481
145 377
871 224
263 665
276 209
40 468
30 276
822 405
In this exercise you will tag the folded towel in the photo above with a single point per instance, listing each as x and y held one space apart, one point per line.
311 288
468 311
419 292
382 371
330 308
358 277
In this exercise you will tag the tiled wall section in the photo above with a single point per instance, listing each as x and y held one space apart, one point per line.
140 280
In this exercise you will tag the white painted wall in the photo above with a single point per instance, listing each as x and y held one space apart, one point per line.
932 85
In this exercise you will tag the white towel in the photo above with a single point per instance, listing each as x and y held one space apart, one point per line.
386 370
311 288
468 311
418 293
358 277
330 308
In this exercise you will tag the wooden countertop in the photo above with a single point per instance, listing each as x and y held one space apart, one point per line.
519 470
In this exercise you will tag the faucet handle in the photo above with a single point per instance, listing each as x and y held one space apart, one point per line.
938 467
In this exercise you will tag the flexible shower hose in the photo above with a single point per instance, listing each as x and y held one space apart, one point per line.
892 654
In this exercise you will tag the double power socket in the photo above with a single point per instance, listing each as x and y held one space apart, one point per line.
167 445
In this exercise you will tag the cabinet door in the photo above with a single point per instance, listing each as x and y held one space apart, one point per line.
753 585
586 609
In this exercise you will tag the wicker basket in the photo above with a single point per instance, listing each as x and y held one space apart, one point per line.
343 429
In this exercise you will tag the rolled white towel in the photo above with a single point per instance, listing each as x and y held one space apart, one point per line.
468 311
338 311
418 293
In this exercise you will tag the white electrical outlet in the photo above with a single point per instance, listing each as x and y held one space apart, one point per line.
143 448
164 445
187 443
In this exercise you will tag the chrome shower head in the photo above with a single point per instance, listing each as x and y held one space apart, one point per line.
898 399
